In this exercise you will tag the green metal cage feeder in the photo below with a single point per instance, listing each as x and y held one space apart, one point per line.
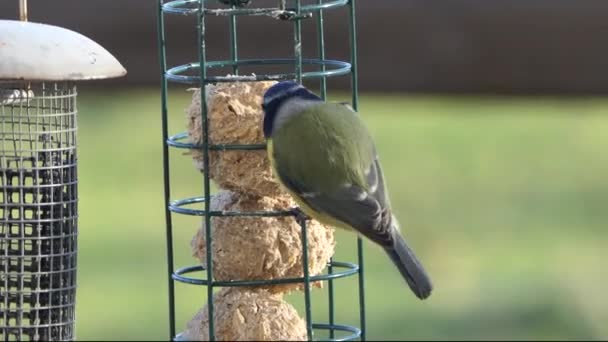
292 13
39 67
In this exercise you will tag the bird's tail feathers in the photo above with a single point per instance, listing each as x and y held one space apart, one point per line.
410 267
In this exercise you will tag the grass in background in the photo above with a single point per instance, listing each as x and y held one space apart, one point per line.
504 201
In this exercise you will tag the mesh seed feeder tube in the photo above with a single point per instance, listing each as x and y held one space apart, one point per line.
39 67
245 244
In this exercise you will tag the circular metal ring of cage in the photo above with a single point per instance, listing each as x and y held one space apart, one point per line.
178 207
175 141
350 269
191 7
355 332
176 74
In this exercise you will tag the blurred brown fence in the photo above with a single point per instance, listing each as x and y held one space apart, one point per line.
515 46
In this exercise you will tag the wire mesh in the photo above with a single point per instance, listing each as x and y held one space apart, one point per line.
38 211
196 73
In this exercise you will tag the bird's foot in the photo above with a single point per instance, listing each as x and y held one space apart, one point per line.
300 216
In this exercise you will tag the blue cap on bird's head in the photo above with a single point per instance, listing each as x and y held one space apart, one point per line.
276 95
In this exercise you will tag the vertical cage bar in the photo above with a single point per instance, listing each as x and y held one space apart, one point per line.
307 303
353 55
233 43
38 211
298 62
355 99
321 40
361 289
298 41
166 171
205 127
323 92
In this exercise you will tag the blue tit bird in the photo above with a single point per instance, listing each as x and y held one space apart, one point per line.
324 156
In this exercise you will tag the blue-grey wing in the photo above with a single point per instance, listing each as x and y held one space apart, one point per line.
365 210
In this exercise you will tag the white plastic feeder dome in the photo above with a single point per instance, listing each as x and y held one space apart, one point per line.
39 67
40 52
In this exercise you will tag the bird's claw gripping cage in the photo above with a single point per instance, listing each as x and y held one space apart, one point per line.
292 12
39 67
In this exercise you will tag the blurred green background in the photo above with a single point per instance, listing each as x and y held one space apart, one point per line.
503 199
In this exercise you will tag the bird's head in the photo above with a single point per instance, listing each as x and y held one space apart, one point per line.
277 95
